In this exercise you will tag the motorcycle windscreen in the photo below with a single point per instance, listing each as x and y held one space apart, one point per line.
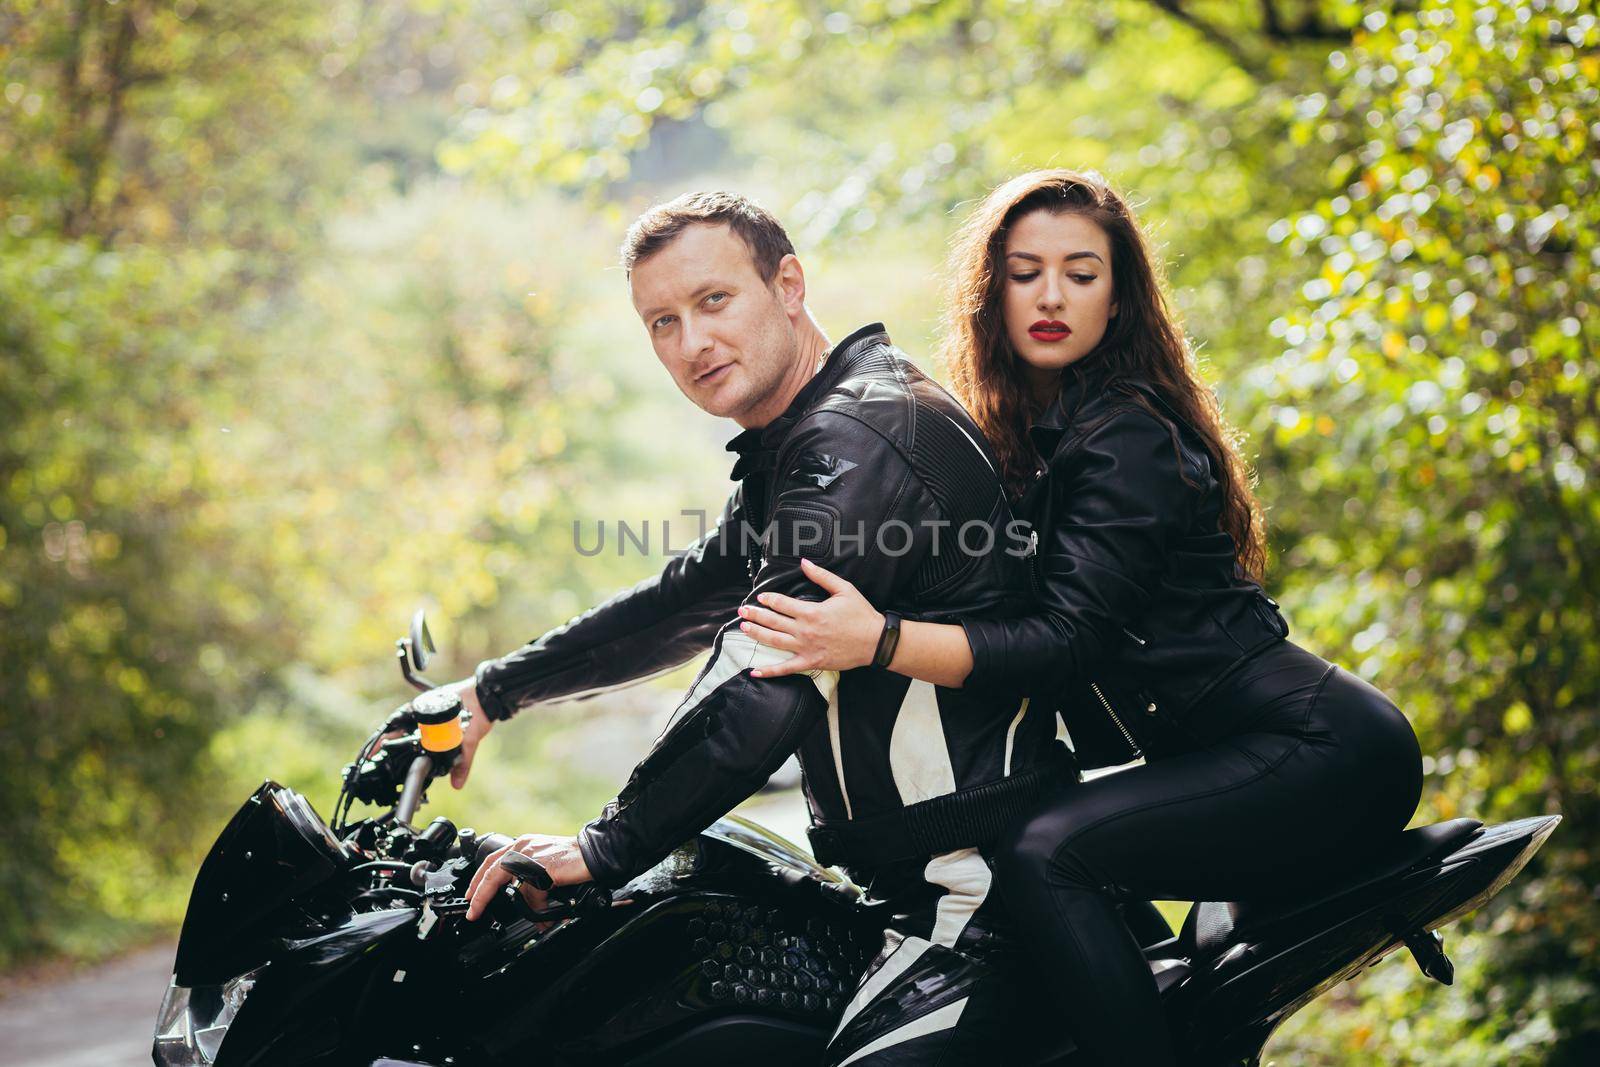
274 849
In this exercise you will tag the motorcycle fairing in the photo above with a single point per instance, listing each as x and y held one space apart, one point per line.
275 849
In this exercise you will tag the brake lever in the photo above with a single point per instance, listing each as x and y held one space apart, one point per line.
526 869
582 898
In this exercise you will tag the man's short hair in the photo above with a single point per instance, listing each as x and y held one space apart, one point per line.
661 225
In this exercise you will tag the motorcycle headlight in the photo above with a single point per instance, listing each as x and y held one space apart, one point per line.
192 1022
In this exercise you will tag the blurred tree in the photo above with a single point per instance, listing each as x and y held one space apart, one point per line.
265 373
890 116
143 120
1433 451
237 440
137 607
132 614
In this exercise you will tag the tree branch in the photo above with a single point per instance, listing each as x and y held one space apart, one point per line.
1309 27
72 93
1223 42
1274 28
1270 22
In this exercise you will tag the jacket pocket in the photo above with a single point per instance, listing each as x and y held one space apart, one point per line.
808 529
1167 732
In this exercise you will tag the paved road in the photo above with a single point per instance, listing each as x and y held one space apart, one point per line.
104 1017
101 1018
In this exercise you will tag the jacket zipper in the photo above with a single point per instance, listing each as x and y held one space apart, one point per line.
1037 586
1126 736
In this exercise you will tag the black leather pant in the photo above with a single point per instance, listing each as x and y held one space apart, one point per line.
1290 762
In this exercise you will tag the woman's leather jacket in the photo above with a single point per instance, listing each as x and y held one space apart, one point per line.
1143 607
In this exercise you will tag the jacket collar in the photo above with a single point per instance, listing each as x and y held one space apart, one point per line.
1077 386
760 443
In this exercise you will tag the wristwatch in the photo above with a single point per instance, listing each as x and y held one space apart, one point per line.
888 640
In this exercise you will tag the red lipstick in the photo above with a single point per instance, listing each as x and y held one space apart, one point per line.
1049 330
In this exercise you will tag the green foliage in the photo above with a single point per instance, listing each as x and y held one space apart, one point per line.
144 233
242 434
152 121
129 616
296 328
1432 441
880 115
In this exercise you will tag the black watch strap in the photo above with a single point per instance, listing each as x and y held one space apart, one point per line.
888 640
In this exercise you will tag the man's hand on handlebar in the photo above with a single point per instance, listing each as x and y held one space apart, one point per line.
559 856
476 728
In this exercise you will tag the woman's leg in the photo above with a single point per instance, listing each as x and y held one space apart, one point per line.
1325 761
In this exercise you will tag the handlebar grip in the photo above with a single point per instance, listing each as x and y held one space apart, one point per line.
528 869
487 844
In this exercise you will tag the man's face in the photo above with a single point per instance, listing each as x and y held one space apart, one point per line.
726 337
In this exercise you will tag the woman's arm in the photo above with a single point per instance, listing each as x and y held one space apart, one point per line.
842 633
934 652
1121 500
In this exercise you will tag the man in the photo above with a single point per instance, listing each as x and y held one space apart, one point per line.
852 458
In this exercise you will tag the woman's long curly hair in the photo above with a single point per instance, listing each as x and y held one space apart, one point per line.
1143 341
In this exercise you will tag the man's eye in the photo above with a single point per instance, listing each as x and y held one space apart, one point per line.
717 298
662 322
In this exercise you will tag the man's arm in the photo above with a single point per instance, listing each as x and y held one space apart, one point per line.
732 731
657 625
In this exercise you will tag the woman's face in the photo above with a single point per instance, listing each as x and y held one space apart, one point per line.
1058 297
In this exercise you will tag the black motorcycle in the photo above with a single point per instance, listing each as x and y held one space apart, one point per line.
311 943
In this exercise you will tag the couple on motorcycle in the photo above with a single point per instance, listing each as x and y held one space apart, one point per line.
912 598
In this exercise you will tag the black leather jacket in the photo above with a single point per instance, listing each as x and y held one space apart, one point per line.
1143 609
874 448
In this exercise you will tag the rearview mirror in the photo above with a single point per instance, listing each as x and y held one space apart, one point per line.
421 643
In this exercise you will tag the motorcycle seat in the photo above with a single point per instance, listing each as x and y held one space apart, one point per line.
1212 927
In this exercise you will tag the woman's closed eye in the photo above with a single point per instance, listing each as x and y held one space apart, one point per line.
1081 279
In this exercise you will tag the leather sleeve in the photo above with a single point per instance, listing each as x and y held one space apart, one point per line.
659 624
732 731
1120 502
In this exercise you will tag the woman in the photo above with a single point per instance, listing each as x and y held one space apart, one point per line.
1152 629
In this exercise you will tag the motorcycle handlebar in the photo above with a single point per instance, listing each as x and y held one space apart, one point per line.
417 777
488 845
